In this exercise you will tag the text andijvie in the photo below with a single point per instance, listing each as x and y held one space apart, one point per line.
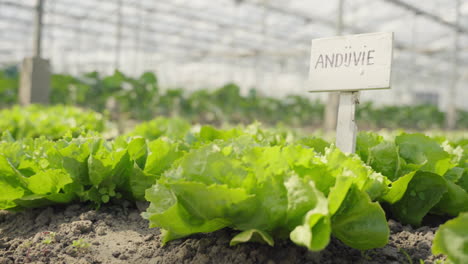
345 59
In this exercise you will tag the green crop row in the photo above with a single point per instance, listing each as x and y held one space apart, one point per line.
51 122
141 98
267 184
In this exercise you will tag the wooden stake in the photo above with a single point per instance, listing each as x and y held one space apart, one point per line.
346 129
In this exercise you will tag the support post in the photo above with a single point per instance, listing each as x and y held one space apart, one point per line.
137 31
38 29
451 117
331 108
346 129
35 71
118 37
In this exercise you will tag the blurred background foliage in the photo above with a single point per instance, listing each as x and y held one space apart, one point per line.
140 98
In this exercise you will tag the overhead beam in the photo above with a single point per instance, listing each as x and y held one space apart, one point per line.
201 40
276 8
419 11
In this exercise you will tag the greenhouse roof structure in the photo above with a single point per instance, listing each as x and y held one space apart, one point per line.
256 43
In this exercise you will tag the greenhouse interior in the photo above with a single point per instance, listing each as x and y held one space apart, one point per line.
234 131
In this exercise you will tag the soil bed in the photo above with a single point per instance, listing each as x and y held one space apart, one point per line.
118 234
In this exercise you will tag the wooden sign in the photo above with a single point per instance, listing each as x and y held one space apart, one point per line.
351 63
348 64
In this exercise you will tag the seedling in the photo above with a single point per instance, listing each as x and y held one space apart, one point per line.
410 261
80 244
365 255
49 239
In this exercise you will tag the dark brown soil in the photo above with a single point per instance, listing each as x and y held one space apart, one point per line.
117 234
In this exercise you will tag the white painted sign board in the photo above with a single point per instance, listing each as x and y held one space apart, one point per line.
351 63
